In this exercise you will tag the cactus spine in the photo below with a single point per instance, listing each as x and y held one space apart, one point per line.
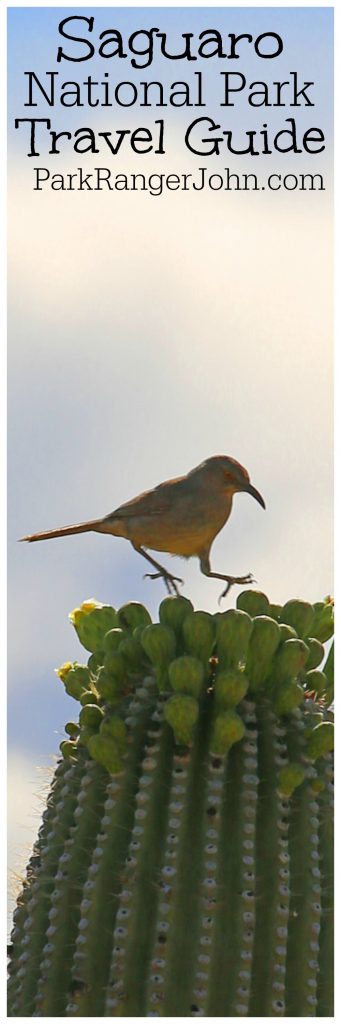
184 862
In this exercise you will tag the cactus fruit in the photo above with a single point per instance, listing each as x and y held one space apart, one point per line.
316 653
230 687
199 635
173 611
289 661
184 862
300 615
233 631
72 729
329 673
92 621
186 674
264 640
315 681
228 729
321 740
76 678
182 713
131 615
253 602
287 632
159 644
323 622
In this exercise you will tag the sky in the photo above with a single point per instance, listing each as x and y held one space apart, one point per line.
146 334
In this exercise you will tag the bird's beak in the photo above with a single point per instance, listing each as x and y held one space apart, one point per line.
255 494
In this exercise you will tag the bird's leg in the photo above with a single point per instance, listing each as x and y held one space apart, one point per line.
230 580
170 581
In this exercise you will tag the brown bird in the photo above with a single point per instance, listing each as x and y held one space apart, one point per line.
181 517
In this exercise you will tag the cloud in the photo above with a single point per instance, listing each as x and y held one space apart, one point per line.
27 789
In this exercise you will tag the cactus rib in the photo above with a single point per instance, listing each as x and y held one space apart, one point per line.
100 894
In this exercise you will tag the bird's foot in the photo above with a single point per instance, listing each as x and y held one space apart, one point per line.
230 580
170 581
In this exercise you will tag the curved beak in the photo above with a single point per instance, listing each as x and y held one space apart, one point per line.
255 494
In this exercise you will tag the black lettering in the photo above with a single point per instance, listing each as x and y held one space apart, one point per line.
269 35
33 79
214 38
148 52
32 121
211 127
114 37
234 40
186 55
75 39
310 140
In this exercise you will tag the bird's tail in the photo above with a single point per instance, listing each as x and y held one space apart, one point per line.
64 531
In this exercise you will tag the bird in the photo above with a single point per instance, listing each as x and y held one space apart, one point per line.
181 517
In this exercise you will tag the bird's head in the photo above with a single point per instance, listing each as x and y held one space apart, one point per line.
232 476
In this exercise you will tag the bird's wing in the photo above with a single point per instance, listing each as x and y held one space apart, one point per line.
151 503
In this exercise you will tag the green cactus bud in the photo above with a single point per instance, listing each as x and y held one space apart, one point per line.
317 785
329 672
133 614
233 630
198 631
312 719
253 602
64 670
109 687
274 610
173 611
95 661
290 778
88 697
263 643
228 729
92 621
137 632
112 640
115 727
132 652
320 741
300 615
288 696
186 675
72 729
115 666
323 622
90 716
316 653
75 677
85 734
230 687
105 750
289 661
73 688
316 681
68 748
159 644
181 712
287 632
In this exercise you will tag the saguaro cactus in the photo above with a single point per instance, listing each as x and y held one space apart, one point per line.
184 862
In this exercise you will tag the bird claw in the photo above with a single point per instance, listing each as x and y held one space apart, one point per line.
170 581
231 580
